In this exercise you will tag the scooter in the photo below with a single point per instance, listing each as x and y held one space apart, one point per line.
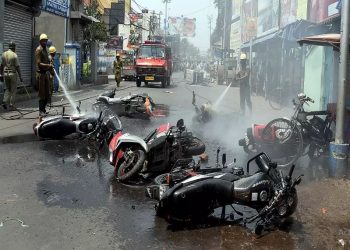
133 106
272 195
133 156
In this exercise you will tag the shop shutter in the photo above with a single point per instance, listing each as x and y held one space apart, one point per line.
18 27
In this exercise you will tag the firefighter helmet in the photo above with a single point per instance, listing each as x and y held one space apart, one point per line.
243 57
43 37
52 50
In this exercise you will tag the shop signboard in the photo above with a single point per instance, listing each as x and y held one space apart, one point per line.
57 7
235 37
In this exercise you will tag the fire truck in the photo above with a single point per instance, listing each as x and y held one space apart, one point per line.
154 63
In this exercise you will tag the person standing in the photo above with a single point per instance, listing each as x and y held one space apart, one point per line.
52 54
44 69
8 72
244 88
117 69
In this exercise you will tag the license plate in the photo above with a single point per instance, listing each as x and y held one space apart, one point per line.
149 78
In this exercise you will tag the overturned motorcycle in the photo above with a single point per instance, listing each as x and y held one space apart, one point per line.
139 106
134 157
272 195
100 127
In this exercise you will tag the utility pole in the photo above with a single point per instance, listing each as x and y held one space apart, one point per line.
166 18
340 148
210 20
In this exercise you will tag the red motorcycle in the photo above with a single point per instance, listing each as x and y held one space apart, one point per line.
133 156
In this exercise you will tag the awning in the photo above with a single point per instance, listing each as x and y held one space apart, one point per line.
259 40
80 15
322 40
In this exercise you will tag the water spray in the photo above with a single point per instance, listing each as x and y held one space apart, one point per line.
221 97
71 101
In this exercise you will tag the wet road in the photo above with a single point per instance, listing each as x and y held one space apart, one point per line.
66 194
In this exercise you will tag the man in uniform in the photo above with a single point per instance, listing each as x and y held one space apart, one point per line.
244 88
44 69
8 72
117 69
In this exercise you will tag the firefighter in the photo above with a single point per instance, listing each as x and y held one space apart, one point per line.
43 72
52 52
117 69
244 88
8 72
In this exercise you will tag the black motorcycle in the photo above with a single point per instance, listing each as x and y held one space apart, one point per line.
273 196
100 127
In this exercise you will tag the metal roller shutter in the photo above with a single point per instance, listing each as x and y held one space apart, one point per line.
18 27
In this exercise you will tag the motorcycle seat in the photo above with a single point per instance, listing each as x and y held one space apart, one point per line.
228 177
243 185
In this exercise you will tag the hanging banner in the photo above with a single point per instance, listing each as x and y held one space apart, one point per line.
57 7
175 25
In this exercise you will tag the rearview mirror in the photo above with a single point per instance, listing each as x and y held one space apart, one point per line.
180 123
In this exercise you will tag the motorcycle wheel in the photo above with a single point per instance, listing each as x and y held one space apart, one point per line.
194 146
129 168
282 135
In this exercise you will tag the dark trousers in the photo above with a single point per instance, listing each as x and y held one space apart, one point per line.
244 92
42 105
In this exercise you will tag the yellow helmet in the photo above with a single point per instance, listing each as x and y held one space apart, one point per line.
43 37
118 55
52 50
243 56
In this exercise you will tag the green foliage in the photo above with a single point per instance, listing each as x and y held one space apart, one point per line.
95 31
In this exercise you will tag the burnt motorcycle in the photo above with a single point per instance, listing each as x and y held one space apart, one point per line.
134 105
267 191
134 157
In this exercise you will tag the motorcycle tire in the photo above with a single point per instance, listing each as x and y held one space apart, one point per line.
194 147
127 171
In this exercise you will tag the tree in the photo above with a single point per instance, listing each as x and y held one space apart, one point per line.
95 31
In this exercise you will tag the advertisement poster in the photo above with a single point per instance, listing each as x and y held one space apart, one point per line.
268 13
183 26
248 20
288 12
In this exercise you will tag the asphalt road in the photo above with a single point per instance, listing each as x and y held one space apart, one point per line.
65 194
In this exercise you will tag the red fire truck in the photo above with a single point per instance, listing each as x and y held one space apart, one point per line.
153 63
